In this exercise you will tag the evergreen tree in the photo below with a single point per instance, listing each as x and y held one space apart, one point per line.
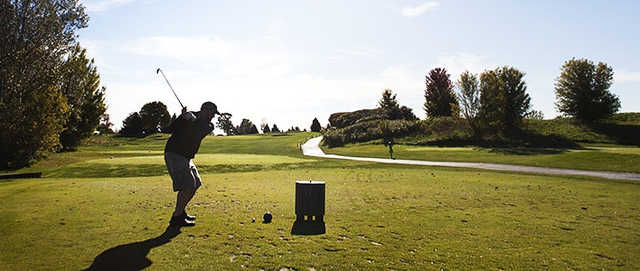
389 105
582 90
246 127
275 129
315 125
265 128
80 86
441 100
254 130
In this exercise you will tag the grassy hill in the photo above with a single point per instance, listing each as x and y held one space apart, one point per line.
610 145
107 207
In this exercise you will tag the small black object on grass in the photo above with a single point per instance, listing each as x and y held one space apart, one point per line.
267 217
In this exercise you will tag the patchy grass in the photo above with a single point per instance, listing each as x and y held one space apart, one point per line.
378 217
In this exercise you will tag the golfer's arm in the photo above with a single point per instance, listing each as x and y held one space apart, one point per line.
176 125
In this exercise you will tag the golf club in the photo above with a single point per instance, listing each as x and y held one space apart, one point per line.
165 79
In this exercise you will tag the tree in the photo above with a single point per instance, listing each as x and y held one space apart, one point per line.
315 125
407 113
80 86
582 90
254 130
224 123
265 128
469 98
155 117
503 99
246 127
35 36
105 125
534 114
517 102
491 112
275 129
132 126
389 105
440 99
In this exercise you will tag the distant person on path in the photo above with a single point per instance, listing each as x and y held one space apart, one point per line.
389 143
187 131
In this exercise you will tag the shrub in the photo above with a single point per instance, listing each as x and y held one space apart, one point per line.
367 131
132 126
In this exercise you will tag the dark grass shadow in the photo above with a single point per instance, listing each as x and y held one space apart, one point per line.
308 228
132 256
98 170
527 151
625 134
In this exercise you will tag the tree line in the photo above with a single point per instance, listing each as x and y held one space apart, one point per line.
154 117
481 108
496 101
50 92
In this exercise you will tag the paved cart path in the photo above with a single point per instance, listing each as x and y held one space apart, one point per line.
312 148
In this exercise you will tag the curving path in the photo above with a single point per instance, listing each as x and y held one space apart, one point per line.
312 148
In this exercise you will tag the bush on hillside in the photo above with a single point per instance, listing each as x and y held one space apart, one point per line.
366 131
344 119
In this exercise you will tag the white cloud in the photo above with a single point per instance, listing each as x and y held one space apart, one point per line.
231 58
257 79
419 10
102 5
461 62
627 77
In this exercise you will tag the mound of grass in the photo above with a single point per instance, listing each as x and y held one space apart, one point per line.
620 129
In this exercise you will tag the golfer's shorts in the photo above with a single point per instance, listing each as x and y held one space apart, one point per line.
182 170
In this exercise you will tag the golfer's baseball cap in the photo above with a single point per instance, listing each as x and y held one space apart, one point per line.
209 106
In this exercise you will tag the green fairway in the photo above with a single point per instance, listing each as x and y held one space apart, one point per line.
110 203
605 157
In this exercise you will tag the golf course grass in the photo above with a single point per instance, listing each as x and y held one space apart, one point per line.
600 157
106 207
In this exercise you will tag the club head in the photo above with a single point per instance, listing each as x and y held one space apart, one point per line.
158 70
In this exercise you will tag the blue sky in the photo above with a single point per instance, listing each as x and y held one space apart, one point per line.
286 62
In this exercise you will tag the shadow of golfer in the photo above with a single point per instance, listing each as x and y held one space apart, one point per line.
132 256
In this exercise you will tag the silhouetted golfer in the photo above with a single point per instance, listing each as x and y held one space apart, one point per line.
187 131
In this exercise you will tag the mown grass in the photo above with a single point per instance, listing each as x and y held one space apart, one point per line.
590 157
378 217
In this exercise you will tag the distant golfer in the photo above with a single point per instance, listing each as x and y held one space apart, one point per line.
187 131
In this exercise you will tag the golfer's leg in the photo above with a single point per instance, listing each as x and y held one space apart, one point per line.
196 181
184 196
190 196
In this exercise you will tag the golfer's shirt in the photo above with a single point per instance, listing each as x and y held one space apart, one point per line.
186 135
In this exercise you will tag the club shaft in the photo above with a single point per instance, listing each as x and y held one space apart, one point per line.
174 92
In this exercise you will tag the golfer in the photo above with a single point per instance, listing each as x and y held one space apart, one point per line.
187 131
